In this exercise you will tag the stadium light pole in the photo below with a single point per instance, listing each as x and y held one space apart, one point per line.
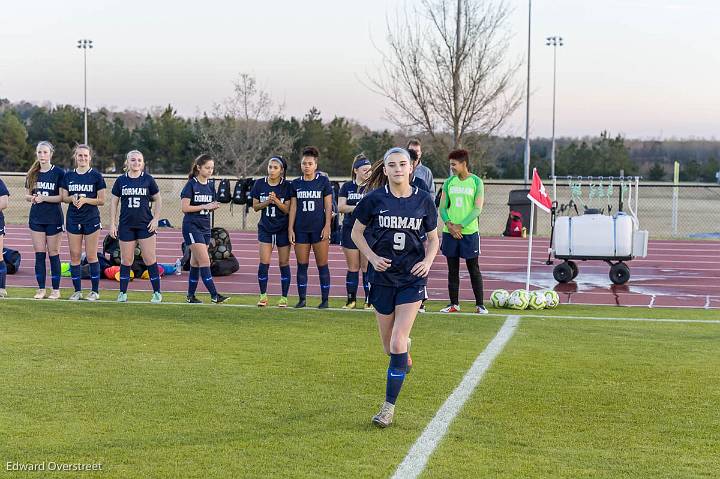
85 44
554 41
527 103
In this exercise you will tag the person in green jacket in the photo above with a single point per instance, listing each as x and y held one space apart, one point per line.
460 206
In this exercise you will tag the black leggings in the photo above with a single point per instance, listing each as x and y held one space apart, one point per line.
454 279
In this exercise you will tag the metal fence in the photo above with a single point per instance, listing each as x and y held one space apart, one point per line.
667 211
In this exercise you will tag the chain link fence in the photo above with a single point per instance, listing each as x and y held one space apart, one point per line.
688 210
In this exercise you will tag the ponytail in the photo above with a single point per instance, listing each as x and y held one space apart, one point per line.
34 171
197 164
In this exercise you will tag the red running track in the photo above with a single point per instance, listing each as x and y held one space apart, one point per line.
674 274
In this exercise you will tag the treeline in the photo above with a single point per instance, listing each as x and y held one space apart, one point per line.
241 145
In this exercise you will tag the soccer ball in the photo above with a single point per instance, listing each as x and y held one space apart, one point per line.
519 299
138 251
552 299
499 298
537 300
221 252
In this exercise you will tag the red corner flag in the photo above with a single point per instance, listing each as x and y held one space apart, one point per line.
538 195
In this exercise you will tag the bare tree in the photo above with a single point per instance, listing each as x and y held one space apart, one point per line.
240 134
445 70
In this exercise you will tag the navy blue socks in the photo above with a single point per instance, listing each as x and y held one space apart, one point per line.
94 276
285 279
76 275
55 271
124 278
40 271
351 282
395 376
324 281
193 280
262 276
207 279
154 274
302 276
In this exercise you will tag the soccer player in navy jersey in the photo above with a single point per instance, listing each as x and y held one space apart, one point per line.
398 213
42 191
309 223
133 193
84 189
4 194
197 200
271 197
350 195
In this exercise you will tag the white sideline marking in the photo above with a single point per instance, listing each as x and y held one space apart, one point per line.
368 311
420 452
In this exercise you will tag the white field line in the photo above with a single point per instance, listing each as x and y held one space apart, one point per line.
420 452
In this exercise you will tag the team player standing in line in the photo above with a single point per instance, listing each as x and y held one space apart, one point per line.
133 192
460 206
197 201
350 195
46 217
4 194
271 196
309 224
84 188
398 215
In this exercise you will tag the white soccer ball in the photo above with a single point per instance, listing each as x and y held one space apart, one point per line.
519 299
537 300
552 299
499 298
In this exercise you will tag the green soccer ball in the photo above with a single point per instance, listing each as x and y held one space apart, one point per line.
499 298
519 299
552 299
537 300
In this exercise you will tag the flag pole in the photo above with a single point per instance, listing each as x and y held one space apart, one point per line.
532 219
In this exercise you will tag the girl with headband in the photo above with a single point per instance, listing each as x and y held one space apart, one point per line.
350 195
398 214
271 197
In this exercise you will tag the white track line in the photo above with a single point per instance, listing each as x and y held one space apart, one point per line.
366 311
420 452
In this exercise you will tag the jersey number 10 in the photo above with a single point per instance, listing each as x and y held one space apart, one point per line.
308 206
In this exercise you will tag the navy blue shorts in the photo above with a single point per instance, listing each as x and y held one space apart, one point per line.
195 235
82 228
49 230
2 227
385 298
308 238
279 239
467 247
133 234
346 240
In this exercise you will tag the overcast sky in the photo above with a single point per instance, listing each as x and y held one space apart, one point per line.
643 68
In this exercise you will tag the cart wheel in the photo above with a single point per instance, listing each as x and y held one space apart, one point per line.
563 272
619 273
574 268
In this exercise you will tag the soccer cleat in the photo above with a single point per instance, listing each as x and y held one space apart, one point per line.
409 363
76 296
300 303
263 300
3 293
368 305
122 298
422 307
55 294
282 302
350 304
40 294
385 416
323 305
192 300
480 309
220 299
451 308
93 296
156 297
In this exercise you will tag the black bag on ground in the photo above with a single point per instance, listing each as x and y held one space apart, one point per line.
223 191
12 260
224 267
185 260
111 248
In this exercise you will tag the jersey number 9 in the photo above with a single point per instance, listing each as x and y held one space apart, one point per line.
399 241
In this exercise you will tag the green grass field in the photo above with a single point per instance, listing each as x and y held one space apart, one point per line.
214 391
